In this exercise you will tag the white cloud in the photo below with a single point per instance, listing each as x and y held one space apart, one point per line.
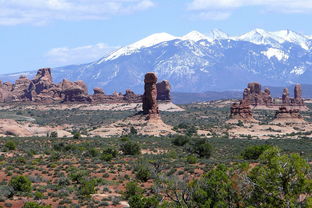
39 12
78 55
212 8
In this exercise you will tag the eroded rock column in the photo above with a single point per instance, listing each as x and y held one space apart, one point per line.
150 106
285 96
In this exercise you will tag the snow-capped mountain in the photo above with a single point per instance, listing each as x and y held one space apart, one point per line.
199 62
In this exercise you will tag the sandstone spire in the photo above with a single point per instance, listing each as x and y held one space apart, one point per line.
150 106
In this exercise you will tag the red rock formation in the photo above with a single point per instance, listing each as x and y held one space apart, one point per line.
150 106
285 113
255 87
42 90
241 111
98 91
5 92
75 91
285 97
5 96
297 91
21 89
255 96
163 90
298 95
8 86
43 80
130 96
266 96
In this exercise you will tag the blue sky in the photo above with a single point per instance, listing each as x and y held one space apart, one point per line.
50 33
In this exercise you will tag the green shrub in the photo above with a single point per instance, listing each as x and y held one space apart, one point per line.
20 183
138 201
143 174
132 189
38 195
133 131
78 176
35 205
191 131
106 157
191 159
201 147
254 152
54 134
10 145
76 135
93 152
110 151
180 140
87 188
130 148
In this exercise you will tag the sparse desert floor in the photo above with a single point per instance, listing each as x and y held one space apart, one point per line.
210 119
53 164
57 143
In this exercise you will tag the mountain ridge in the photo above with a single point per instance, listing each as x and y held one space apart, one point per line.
197 62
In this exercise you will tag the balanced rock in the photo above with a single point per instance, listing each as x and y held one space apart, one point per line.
163 90
150 106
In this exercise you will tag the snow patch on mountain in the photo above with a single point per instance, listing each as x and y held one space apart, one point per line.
217 34
274 52
260 37
195 36
298 70
144 43
293 37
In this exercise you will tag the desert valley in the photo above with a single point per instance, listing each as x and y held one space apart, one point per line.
155 104
62 147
